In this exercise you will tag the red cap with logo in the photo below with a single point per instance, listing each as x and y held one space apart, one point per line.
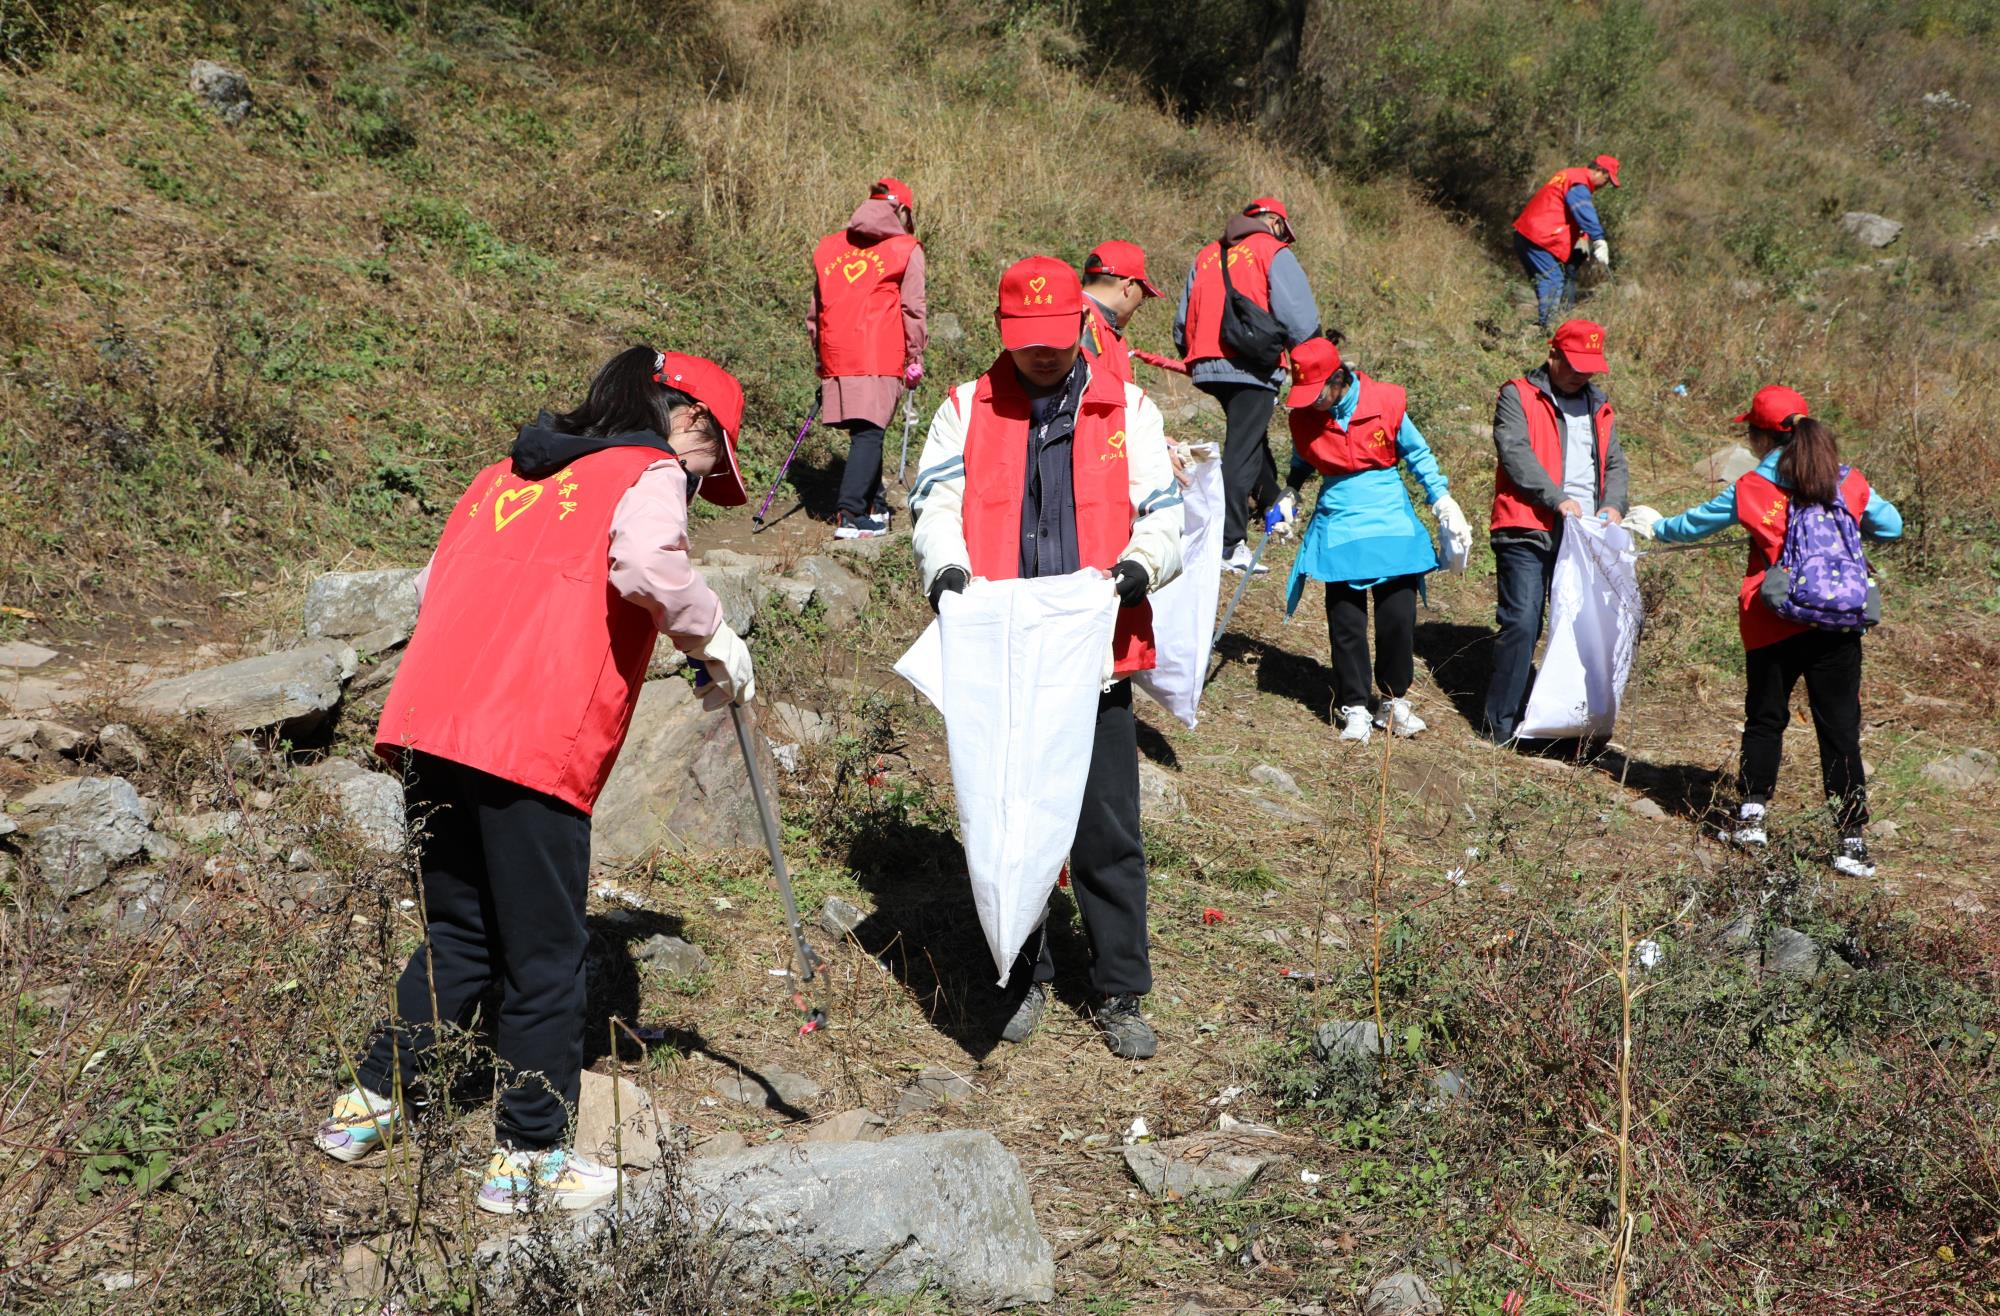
1313 363
716 389
1609 164
893 189
1120 260
1582 344
1775 408
1041 304
1270 205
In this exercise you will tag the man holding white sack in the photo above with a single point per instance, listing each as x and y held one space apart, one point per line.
1043 467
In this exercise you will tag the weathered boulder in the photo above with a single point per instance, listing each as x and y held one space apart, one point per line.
372 802
672 955
738 580
223 90
292 689
346 604
1870 230
1402 1294
679 781
81 828
841 594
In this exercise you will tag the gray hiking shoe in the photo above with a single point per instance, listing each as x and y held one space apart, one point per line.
1028 1015
1125 1030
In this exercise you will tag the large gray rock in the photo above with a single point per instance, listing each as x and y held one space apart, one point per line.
672 955
225 91
841 594
1402 1294
81 829
679 781
344 604
372 802
1870 230
293 689
738 581
1966 770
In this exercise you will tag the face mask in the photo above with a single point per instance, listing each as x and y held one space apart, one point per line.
694 482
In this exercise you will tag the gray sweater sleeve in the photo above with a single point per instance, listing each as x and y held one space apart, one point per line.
1617 476
1180 316
1292 297
1517 454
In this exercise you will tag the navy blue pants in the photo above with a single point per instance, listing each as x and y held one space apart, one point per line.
1522 572
1555 281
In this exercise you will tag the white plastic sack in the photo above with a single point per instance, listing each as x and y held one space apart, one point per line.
1184 610
1015 667
1594 615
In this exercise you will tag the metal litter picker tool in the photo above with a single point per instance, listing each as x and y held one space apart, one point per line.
807 961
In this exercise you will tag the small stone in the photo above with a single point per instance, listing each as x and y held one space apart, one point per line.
945 328
1204 1166
225 91
117 1281
1883 829
1966 770
672 955
1870 230
215 825
1645 808
841 917
22 656
771 1088
372 802
625 1129
726 1143
932 1086
1160 799
849 1126
119 749
1784 951
800 724
1402 1294
299 860
1351 1037
1276 778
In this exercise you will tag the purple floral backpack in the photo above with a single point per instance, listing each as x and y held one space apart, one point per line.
1822 577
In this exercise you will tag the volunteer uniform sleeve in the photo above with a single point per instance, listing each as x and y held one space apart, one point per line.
1416 453
1180 315
1292 297
1880 519
1158 517
1718 513
649 558
1517 454
938 498
1584 211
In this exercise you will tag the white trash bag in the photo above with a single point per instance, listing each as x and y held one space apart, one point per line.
1184 609
1594 616
1015 666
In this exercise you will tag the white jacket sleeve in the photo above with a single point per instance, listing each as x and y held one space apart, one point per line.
938 498
1156 494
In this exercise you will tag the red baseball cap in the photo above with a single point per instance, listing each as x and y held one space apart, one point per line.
716 389
1313 363
896 190
1120 260
1270 205
1775 408
1041 304
1609 164
1582 344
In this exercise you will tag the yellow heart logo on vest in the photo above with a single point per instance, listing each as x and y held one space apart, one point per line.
854 271
1038 283
525 496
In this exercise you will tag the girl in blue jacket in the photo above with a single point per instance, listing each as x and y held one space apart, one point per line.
1364 536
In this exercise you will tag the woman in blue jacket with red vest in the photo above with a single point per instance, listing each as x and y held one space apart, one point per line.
1364 535
1798 464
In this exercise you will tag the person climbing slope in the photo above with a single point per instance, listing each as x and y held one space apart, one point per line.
1805 600
557 570
1363 536
1559 230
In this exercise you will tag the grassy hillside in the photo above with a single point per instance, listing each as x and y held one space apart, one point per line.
233 357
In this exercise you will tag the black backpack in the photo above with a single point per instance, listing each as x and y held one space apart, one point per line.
1250 333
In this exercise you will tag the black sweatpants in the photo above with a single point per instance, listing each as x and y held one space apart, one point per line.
504 874
1395 639
1830 662
861 478
1107 861
1248 472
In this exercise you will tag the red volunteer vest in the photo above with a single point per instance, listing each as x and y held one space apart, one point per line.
1545 220
1249 270
1369 441
1762 509
1105 346
996 478
1511 508
861 304
525 663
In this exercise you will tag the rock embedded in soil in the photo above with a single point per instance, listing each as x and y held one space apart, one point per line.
1870 230
1276 778
104 814
673 955
1203 1166
798 723
293 690
1160 799
371 802
849 1126
768 1087
1645 808
1784 951
1402 1294
726 1143
349 605
841 595
119 749
679 781
1357 1038
1967 770
24 656
222 89
738 581
841 917
933 1086
626 1131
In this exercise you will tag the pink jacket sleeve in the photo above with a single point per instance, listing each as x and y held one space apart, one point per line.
916 333
649 557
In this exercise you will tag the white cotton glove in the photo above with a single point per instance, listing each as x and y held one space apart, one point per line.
727 659
1455 531
1601 251
1641 520
1283 518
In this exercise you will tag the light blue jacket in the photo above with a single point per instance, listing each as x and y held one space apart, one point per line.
1364 530
1879 520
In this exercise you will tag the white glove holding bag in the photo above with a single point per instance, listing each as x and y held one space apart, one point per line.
1455 532
1641 520
731 678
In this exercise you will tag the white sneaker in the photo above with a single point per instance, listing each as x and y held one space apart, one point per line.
1241 559
518 1181
1355 725
1396 714
1853 858
1749 826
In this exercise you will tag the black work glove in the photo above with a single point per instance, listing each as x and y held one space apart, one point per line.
952 579
1132 582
